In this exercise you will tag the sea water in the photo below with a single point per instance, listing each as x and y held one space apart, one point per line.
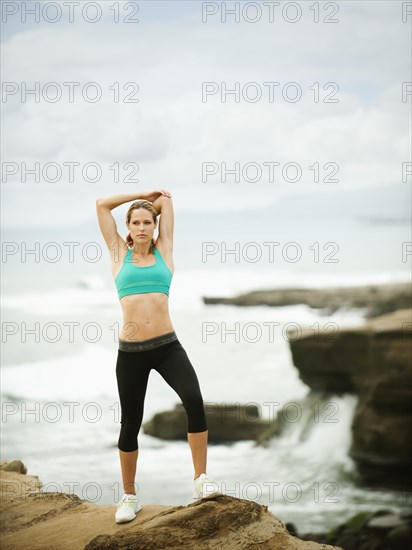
60 407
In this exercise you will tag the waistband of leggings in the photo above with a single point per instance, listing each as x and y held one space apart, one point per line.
151 343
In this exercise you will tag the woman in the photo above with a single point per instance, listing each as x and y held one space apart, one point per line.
143 274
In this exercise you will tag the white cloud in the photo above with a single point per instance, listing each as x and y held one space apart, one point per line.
170 132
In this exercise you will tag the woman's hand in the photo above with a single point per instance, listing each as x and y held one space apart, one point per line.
153 195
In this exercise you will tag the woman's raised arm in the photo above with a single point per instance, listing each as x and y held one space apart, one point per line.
112 201
107 223
164 206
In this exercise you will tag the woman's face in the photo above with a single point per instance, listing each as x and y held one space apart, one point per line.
141 223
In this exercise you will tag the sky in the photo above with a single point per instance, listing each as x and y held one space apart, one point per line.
176 138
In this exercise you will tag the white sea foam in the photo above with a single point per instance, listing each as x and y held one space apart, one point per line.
187 290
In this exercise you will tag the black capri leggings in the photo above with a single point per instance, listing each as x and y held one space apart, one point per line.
167 356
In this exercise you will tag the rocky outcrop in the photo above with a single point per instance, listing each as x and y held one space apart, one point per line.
13 466
380 530
226 422
346 360
374 362
60 521
375 299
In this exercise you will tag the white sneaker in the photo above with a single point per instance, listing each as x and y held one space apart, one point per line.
127 508
204 487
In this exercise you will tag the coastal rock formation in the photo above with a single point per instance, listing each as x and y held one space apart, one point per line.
373 362
380 530
38 520
226 422
375 299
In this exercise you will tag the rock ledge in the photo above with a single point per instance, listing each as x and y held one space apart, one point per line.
39 520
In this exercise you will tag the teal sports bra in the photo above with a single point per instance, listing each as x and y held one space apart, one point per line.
132 279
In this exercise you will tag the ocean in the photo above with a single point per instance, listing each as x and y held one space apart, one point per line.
61 319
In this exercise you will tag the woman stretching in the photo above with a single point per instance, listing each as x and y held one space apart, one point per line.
142 275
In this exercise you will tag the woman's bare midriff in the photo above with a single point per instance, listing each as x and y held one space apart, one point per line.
145 316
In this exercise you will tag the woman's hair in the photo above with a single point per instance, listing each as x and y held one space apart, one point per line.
136 205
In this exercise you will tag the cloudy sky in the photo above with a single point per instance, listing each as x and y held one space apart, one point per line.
163 57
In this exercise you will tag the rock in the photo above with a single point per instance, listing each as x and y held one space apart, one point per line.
373 362
343 360
14 466
387 522
326 363
370 531
400 538
226 422
375 299
381 446
15 484
372 543
61 521
291 527
406 513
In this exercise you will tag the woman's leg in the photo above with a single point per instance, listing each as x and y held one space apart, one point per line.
177 370
128 463
132 373
198 447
